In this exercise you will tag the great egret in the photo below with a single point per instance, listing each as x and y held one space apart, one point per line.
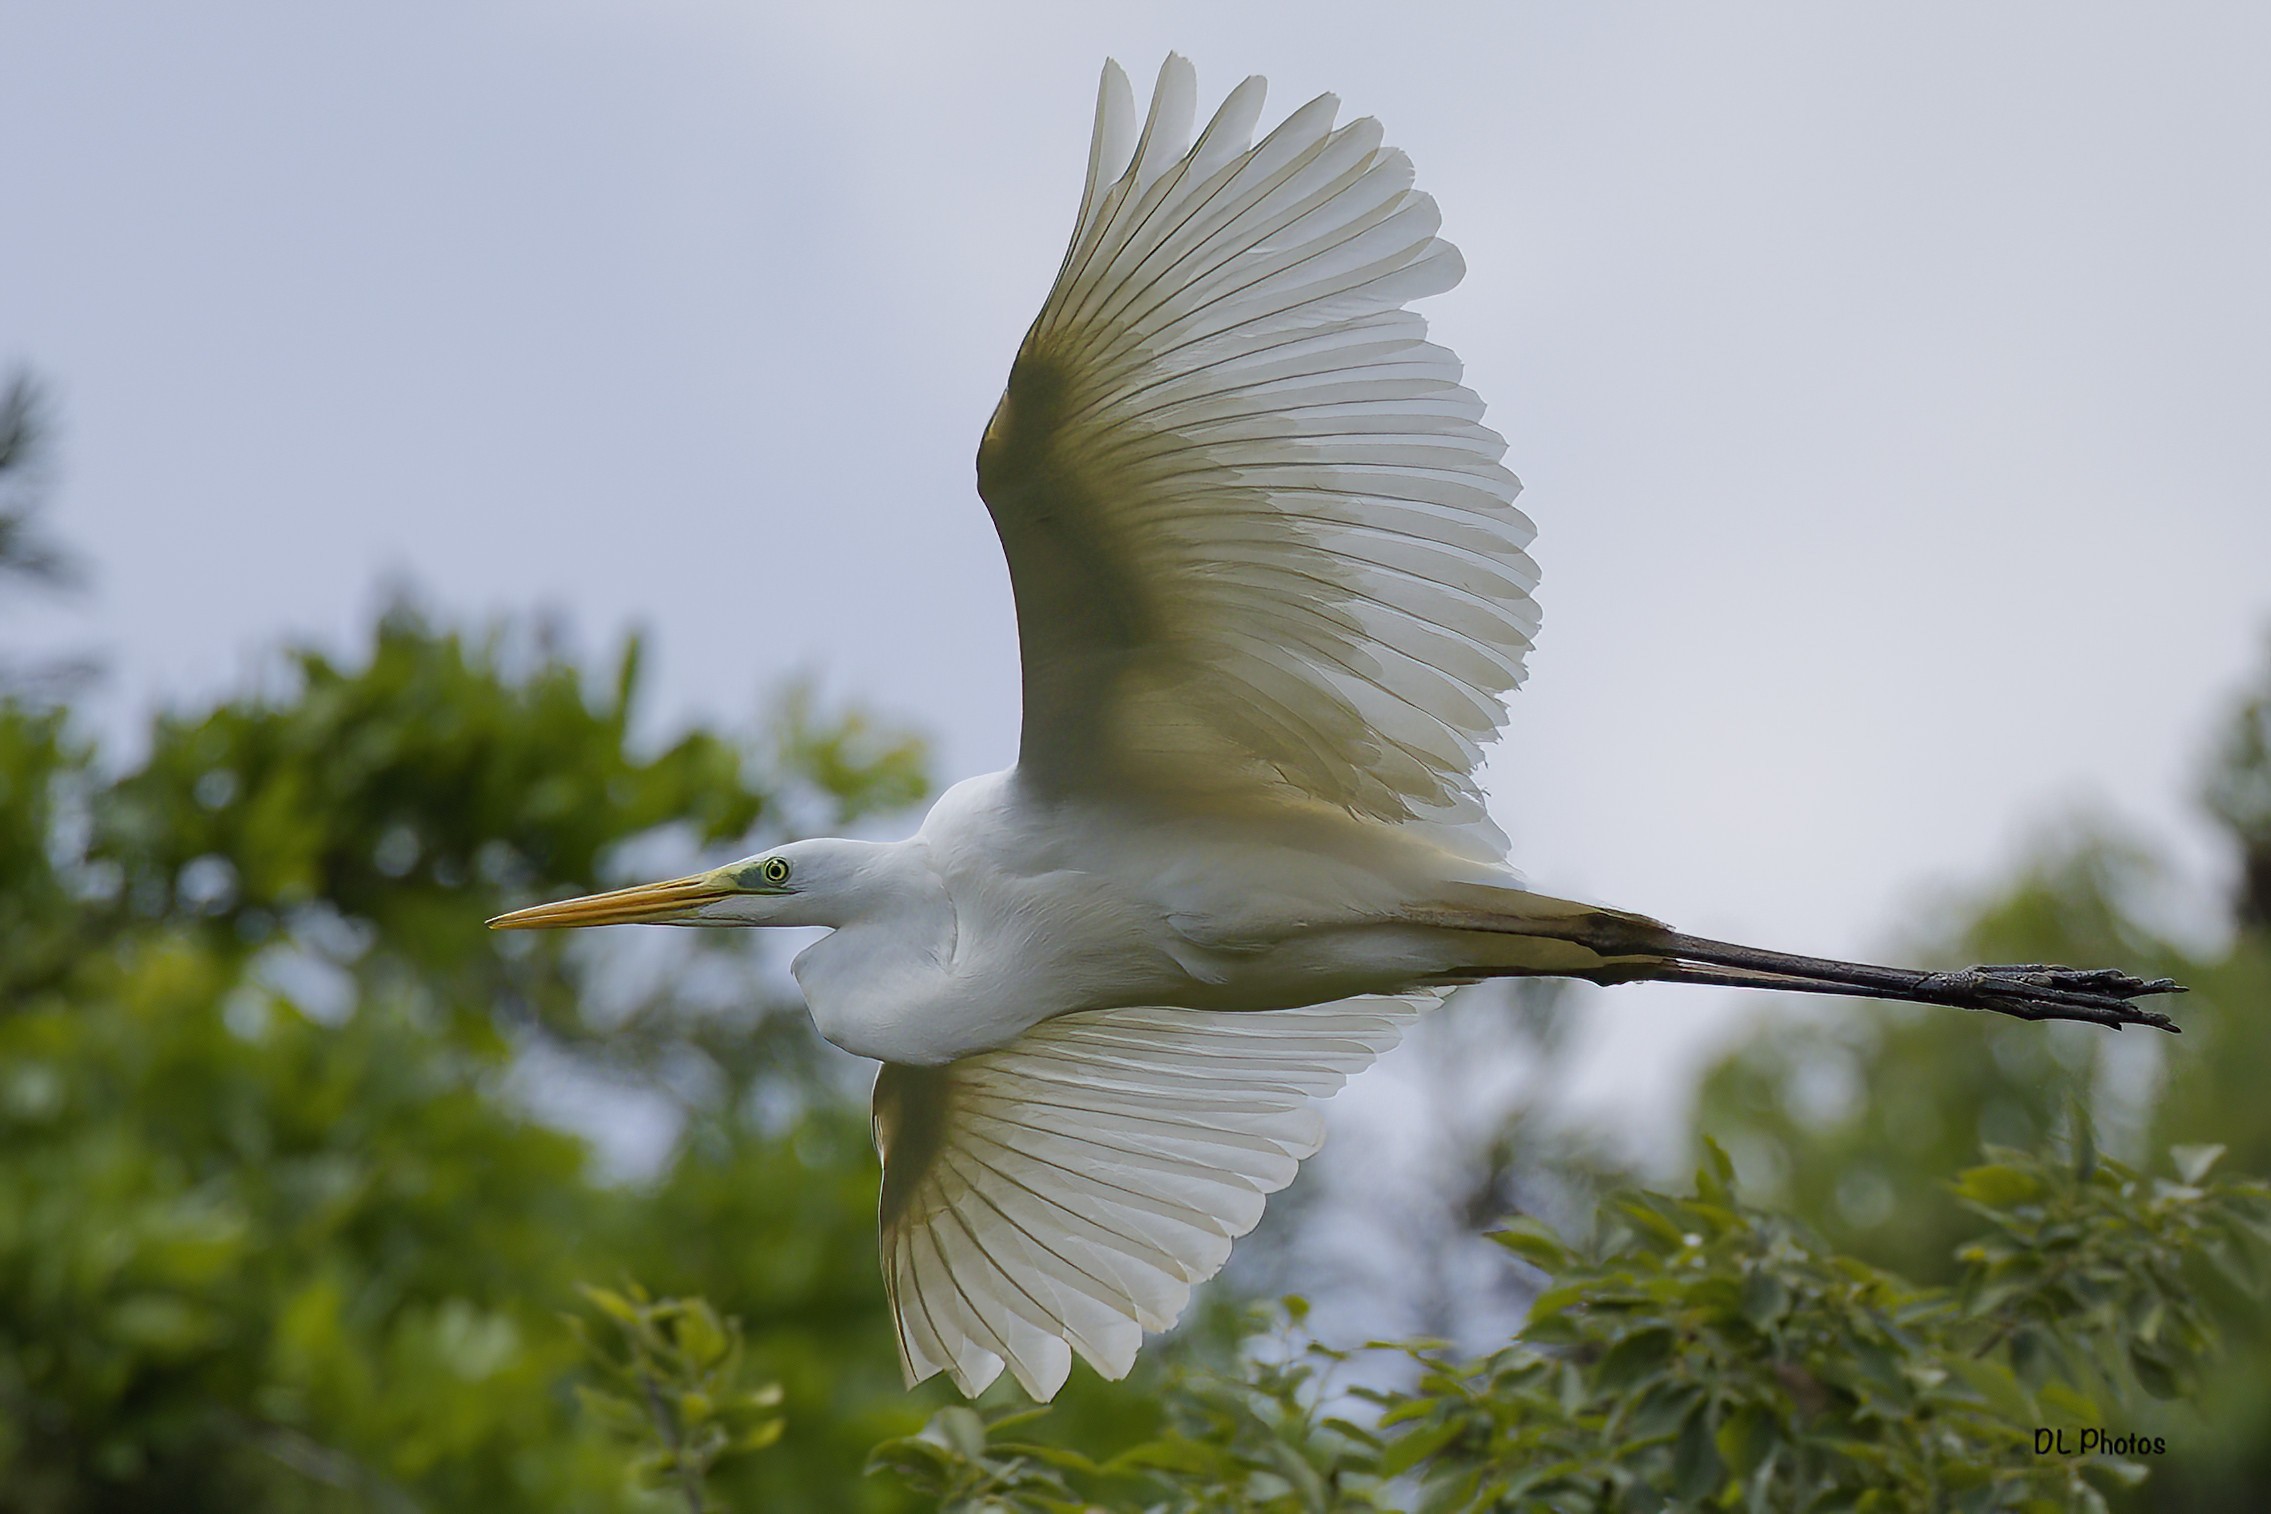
1271 589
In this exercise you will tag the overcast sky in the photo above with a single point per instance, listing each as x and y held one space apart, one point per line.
1889 382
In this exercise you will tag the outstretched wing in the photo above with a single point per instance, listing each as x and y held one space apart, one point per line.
1257 531
1066 1192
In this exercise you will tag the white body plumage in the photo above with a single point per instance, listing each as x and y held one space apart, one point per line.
1006 910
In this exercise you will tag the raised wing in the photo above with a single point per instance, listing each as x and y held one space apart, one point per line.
1258 534
1066 1192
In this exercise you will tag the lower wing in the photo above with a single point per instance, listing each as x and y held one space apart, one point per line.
1066 1192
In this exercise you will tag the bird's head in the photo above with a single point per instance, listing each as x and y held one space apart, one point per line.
801 883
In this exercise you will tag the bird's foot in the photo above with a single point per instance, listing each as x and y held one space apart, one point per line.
2045 991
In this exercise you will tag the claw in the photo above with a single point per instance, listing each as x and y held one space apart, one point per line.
2046 991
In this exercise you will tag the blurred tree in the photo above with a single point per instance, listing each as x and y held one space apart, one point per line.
2238 794
675 1389
1702 1353
25 554
28 558
1853 1121
277 1230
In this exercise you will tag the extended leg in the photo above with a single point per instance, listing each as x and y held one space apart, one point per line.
1640 949
2027 990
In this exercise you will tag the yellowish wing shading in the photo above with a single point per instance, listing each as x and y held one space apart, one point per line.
1066 1192
1258 534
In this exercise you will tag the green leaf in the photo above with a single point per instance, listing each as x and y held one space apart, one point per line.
1697 1472
2193 1162
1746 1438
1715 1179
2126 1474
700 1335
1663 1408
911 1456
609 1303
1356 1433
1653 1216
1554 1301
1765 1298
961 1430
1633 1358
2030 1356
1534 1242
2065 1403
1997 1186
2156 1371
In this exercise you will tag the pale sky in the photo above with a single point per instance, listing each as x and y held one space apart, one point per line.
1889 382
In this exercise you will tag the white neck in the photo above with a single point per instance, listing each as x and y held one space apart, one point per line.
893 942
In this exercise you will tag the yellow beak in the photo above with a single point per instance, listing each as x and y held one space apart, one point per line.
648 903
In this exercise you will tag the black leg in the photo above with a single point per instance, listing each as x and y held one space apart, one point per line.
1639 949
2026 990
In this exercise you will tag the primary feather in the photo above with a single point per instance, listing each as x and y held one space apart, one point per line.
1258 534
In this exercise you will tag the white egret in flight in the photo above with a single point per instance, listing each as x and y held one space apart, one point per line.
1271 591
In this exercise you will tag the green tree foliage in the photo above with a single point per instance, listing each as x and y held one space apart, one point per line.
1702 1353
675 1385
1848 1119
25 555
2238 794
276 1230
28 557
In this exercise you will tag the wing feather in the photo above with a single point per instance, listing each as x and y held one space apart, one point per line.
1259 536
1064 1194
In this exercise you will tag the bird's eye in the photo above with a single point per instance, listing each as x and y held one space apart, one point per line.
775 870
